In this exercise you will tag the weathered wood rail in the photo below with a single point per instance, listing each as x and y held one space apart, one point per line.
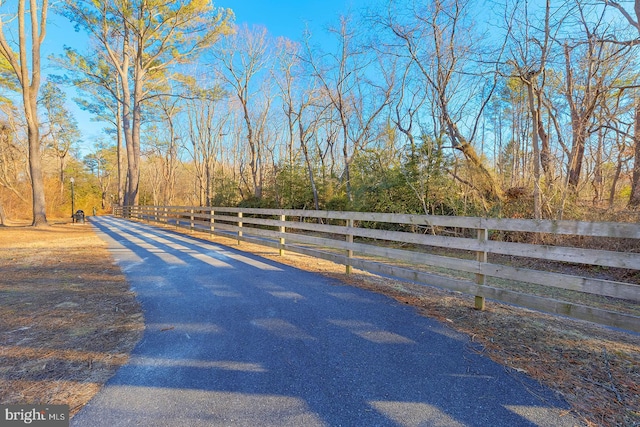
405 253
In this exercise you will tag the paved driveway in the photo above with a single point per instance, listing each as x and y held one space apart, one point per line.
232 339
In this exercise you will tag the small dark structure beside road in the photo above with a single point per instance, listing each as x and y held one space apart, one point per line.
78 216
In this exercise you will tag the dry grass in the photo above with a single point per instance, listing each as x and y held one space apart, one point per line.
67 317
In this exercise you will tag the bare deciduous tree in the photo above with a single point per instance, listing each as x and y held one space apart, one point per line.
206 121
439 42
530 70
61 127
634 21
13 154
244 57
357 102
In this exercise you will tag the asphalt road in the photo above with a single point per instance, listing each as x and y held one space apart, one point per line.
233 339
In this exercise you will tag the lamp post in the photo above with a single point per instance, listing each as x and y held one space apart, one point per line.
73 201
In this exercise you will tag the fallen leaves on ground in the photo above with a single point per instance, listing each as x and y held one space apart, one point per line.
67 317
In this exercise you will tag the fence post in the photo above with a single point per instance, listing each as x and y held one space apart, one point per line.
282 230
481 257
349 251
191 225
212 221
240 226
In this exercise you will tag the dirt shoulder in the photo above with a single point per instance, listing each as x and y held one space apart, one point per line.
67 317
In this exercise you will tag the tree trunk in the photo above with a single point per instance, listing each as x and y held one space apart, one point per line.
614 182
347 168
545 148
119 154
598 179
133 189
487 182
634 199
128 140
125 103
307 160
537 125
37 181
582 109
30 94
577 157
3 218
208 189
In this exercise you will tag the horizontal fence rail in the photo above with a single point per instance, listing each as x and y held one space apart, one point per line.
462 254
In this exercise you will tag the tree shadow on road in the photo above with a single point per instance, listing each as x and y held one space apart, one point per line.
235 339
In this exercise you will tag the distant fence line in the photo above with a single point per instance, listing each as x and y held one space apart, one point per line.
330 235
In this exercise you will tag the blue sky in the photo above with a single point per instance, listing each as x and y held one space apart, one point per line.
287 18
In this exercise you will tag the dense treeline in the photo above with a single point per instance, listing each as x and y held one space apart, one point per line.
454 107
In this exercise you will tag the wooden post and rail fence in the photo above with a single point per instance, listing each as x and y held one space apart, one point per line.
462 254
